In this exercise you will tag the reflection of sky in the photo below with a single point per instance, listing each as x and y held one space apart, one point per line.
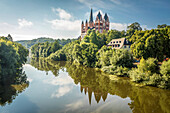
50 94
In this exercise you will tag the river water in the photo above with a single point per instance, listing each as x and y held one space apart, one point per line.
60 87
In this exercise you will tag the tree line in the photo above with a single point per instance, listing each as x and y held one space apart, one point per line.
29 43
12 56
45 49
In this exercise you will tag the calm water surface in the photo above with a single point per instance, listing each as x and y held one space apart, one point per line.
59 87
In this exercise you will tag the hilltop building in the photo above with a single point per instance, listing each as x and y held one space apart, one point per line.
100 24
121 43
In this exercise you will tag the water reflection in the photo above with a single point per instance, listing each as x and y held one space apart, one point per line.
10 87
44 65
96 84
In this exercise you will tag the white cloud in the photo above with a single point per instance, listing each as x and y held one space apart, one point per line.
144 27
6 28
64 82
116 2
24 23
61 80
118 26
69 25
66 25
75 105
62 13
123 26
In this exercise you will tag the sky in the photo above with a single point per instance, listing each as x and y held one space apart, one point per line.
29 19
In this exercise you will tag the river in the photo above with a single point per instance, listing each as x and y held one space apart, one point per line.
60 87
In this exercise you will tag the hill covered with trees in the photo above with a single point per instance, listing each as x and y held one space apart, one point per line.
29 43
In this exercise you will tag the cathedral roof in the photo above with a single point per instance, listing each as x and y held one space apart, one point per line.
105 16
99 16
91 16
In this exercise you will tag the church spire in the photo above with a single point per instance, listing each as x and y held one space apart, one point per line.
91 16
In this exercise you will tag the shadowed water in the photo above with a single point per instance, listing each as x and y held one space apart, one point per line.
57 87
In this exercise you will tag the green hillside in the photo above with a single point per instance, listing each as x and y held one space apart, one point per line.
29 43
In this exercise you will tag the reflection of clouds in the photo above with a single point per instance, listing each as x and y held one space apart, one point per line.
61 80
64 83
114 104
117 104
75 105
61 91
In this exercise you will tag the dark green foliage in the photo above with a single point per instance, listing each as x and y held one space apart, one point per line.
85 54
8 59
64 54
151 43
58 56
114 34
131 29
12 56
44 49
161 26
134 26
112 61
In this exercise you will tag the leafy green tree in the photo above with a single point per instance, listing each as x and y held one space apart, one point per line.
45 49
161 26
85 54
112 61
12 56
132 28
113 34
86 39
165 71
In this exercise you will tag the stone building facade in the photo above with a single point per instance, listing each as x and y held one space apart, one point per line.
101 24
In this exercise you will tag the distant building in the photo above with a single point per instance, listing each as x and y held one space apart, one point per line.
121 43
100 24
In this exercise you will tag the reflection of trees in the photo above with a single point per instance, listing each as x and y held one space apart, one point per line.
11 87
90 81
44 65
144 100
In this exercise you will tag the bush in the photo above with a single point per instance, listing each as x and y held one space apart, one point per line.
148 73
117 62
165 71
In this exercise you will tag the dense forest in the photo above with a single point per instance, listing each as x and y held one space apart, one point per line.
29 43
12 56
45 49
150 46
